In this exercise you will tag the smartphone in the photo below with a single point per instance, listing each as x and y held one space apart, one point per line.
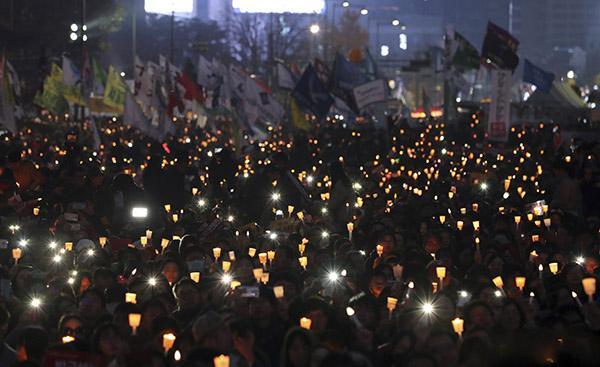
247 291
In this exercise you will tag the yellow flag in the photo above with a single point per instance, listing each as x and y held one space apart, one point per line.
114 93
299 118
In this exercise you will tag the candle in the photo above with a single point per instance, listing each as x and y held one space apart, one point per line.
149 234
391 305
194 191
195 276
221 361
529 217
226 265
167 208
520 283
350 227
379 249
303 262
130 298
16 254
441 274
434 287
271 256
144 240
168 341
553 268
258 272
69 246
234 284
301 248
216 253
531 297
134 321
517 219
498 282
67 339
541 270
300 216
589 287
463 211
545 208
305 323
535 238
36 211
442 219
175 217
164 243
547 222
476 225
475 207
460 224
278 290
251 251
264 278
262 259
506 184
102 241
290 210
458 325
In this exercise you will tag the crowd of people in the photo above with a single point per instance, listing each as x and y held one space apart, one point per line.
341 246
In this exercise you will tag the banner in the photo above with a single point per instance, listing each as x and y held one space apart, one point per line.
7 109
462 54
369 93
52 97
285 77
114 94
499 116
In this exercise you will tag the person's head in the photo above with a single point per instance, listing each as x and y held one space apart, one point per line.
478 315
297 348
211 331
377 282
442 347
187 294
32 344
103 278
107 341
171 270
512 317
71 325
92 304
317 310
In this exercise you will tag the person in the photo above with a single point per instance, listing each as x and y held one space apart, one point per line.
297 348
32 344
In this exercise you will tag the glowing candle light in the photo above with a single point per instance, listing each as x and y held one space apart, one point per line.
144 240
67 339
262 259
458 325
379 249
251 251
195 276
553 268
460 224
168 341
36 211
221 361
350 227
226 265
476 225
271 256
102 241
16 254
216 253
520 283
278 290
303 262
589 287
517 219
442 219
305 323
258 272
168 208
498 282
134 321
130 298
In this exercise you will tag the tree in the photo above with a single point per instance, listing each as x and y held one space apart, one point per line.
348 34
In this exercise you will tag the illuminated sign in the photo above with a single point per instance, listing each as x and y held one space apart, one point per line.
180 7
279 6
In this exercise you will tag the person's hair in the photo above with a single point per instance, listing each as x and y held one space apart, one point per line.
292 334
99 331
520 311
35 341
66 317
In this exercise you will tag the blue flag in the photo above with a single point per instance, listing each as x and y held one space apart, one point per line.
311 93
344 78
537 76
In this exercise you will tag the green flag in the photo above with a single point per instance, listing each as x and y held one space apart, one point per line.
53 96
466 55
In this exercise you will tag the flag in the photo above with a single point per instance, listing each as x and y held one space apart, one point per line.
285 77
323 71
369 93
461 53
7 105
368 67
312 94
114 94
99 78
72 82
156 127
52 97
537 76
298 118
499 48
344 77
87 76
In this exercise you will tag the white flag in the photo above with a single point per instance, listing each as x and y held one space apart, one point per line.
71 74
368 93
285 77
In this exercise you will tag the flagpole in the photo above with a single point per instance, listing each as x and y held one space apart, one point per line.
81 69
133 35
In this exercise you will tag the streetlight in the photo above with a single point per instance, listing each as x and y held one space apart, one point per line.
395 22
74 27
314 28
364 11
345 4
